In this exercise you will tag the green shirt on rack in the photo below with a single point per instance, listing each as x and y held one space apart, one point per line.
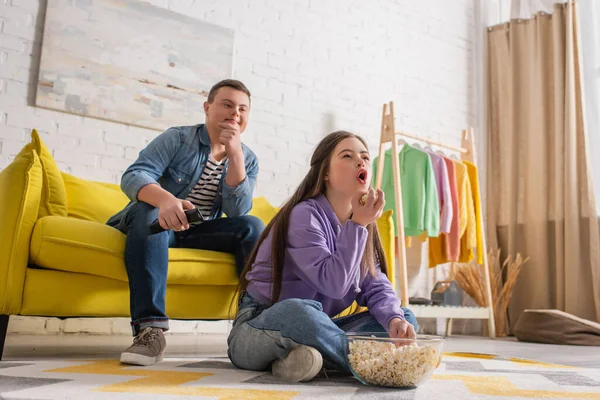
420 203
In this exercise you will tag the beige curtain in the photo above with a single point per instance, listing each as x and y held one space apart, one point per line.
539 191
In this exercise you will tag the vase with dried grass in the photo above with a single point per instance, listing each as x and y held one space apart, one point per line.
503 279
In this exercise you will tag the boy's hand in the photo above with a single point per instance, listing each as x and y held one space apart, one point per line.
400 329
230 138
171 214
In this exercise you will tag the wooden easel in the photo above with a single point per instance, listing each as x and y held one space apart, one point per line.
467 153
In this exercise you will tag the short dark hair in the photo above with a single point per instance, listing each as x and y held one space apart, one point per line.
232 83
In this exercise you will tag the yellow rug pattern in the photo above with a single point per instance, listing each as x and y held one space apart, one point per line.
459 376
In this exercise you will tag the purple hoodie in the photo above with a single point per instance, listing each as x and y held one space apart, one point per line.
322 263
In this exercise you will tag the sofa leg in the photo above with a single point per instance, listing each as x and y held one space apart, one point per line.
3 329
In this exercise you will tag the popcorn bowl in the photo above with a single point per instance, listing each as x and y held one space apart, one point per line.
375 359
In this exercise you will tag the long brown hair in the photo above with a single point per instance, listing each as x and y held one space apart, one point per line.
311 186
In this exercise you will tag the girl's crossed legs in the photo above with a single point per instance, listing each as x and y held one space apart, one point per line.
261 335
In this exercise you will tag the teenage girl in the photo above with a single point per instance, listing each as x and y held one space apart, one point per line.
318 255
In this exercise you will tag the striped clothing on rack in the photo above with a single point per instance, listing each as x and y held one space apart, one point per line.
204 193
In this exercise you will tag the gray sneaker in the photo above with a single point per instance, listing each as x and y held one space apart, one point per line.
147 348
300 365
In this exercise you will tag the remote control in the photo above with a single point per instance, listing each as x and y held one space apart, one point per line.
191 215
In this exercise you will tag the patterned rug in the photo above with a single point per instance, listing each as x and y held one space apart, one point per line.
459 376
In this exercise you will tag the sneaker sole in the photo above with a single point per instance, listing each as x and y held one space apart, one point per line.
290 367
138 359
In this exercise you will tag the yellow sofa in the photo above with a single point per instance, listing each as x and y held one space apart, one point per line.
59 258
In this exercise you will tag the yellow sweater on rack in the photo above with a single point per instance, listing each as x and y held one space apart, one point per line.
468 221
464 243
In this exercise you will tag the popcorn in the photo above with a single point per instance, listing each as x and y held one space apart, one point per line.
385 364
363 199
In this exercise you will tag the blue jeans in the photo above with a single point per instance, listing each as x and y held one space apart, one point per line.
262 334
147 256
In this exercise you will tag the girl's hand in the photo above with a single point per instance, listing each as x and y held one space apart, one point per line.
371 210
400 329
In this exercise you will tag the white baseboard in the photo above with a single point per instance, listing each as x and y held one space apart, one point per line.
104 326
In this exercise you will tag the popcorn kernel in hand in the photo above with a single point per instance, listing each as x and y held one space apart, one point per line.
363 199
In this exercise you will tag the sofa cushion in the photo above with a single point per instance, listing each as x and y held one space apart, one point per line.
54 196
87 247
83 195
21 187
93 201
64 294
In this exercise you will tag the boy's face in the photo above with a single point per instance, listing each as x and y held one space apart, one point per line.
230 106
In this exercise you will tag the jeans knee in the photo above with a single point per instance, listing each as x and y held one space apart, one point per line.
410 317
141 213
302 311
253 228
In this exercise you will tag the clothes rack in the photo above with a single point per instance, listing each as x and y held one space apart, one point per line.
467 153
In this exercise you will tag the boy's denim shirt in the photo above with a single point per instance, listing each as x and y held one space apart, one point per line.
175 160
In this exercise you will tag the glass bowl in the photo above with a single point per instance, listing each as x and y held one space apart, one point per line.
375 359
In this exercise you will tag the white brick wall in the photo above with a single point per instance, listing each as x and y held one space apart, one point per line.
312 65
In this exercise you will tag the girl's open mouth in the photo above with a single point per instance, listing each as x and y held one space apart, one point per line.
362 176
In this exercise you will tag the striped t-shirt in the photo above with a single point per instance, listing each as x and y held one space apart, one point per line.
204 193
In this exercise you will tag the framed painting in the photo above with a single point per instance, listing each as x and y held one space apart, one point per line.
130 62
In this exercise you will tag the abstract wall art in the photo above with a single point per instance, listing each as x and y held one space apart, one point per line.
131 62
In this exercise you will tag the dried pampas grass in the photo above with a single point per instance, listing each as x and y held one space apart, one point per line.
503 277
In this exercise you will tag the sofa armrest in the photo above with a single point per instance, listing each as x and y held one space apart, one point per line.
21 187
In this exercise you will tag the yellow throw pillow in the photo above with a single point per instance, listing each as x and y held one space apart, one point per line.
93 201
263 210
54 196
21 188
